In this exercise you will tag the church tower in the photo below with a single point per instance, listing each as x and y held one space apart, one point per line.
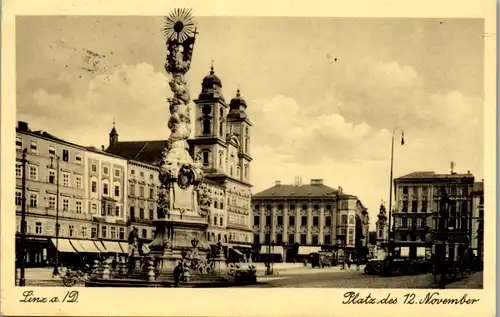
113 136
239 134
381 226
210 126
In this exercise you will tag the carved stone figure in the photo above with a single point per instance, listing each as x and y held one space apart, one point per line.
204 202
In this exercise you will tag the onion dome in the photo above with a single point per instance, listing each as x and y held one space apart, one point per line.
211 87
237 107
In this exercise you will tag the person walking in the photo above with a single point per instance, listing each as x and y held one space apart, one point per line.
177 274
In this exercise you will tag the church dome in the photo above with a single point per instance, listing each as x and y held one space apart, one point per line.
237 108
238 102
211 87
211 79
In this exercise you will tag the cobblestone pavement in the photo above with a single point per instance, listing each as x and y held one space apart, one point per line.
351 279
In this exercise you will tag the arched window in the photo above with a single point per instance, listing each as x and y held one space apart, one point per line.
221 123
219 237
206 126
205 158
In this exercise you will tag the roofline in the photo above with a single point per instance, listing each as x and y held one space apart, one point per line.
53 139
147 165
97 151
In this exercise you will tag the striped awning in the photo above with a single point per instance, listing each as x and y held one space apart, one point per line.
277 249
124 246
89 246
306 250
100 246
63 245
76 244
112 247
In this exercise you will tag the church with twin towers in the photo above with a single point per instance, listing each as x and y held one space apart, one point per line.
222 141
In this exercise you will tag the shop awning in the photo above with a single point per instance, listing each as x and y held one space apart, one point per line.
405 251
305 250
124 246
112 247
100 246
89 246
236 251
277 249
78 247
421 252
63 245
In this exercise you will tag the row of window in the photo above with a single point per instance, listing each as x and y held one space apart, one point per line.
108 209
107 232
133 192
237 219
34 149
327 239
303 220
424 190
105 170
217 221
141 174
343 204
34 203
141 215
405 222
64 176
105 188
453 205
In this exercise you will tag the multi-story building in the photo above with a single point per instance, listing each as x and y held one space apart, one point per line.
300 219
142 198
477 235
106 176
417 203
54 167
222 142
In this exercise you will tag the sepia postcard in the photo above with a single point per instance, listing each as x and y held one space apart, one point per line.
250 158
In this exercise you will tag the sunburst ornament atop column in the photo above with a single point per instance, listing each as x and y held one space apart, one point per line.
179 25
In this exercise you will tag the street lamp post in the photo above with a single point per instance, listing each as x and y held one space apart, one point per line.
390 237
22 257
56 262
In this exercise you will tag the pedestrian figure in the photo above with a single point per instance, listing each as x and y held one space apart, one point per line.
177 274
358 260
349 263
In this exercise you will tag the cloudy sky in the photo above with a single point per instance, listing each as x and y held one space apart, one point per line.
324 94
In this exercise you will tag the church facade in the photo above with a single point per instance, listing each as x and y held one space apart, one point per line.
221 141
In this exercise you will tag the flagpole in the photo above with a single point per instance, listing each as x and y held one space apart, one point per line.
391 222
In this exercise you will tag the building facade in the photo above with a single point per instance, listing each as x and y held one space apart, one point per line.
142 198
54 167
299 219
106 176
417 204
477 230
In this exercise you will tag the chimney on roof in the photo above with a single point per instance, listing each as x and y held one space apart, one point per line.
277 183
22 126
102 147
340 190
316 182
298 181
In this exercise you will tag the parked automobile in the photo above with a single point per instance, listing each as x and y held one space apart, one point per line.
390 265
321 259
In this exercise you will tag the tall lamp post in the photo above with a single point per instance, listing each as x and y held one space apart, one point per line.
56 262
390 237
22 256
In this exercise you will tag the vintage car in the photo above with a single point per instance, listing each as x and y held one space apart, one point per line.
321 259
390 266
